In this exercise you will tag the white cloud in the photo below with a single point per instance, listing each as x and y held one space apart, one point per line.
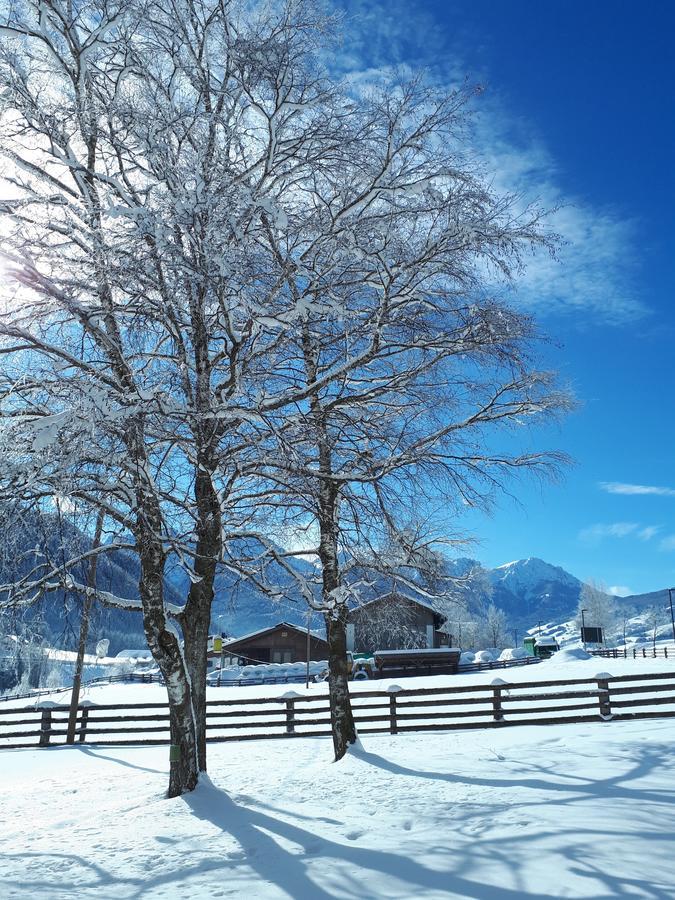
593 271
618 487
619 590
593 534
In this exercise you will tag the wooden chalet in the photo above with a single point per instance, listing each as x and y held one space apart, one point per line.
395 621
282 643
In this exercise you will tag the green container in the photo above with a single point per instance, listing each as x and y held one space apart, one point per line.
529 644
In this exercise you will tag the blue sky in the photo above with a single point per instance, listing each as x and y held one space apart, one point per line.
579 109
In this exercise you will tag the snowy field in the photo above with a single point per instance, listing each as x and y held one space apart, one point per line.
579 810
564 811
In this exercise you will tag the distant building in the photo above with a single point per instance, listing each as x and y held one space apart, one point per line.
396 621
282 643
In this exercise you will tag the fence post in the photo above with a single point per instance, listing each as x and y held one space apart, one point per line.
393 725
665 652
497 710
289 698
83 725
392 690
45 727
290 716
603 695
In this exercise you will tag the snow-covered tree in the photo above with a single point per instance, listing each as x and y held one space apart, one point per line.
600 609
407 365
245 299
494 626
149 151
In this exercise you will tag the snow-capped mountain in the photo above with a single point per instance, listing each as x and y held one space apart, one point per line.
532 590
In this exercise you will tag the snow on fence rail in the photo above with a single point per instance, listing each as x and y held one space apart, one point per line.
393 711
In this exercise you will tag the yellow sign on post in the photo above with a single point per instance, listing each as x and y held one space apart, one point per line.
217 644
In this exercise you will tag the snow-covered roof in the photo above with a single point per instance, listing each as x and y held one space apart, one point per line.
403 596
245 637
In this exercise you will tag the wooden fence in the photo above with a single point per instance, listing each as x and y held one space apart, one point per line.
635 652
392 711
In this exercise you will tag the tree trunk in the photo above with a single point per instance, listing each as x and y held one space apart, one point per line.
341 715
196 631
166 651
196 618
183 755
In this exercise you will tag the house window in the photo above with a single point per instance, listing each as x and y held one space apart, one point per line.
282 656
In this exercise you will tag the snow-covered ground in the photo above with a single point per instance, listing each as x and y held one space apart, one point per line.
565 811
562 665
639 633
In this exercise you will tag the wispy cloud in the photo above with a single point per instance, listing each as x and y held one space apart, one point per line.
619 590
667 544
593 534
593 271
618 487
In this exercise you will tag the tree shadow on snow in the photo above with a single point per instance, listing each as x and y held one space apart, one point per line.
255 832
97 754
278 848
578 787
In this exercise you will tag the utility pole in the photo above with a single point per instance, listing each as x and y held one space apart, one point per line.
672 620
309 622
583 627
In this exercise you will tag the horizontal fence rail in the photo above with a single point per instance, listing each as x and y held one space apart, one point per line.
635 652
392 711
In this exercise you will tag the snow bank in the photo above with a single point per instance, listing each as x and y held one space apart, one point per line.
513 653
571 654
259 672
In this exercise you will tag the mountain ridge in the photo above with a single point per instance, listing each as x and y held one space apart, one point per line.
528 591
